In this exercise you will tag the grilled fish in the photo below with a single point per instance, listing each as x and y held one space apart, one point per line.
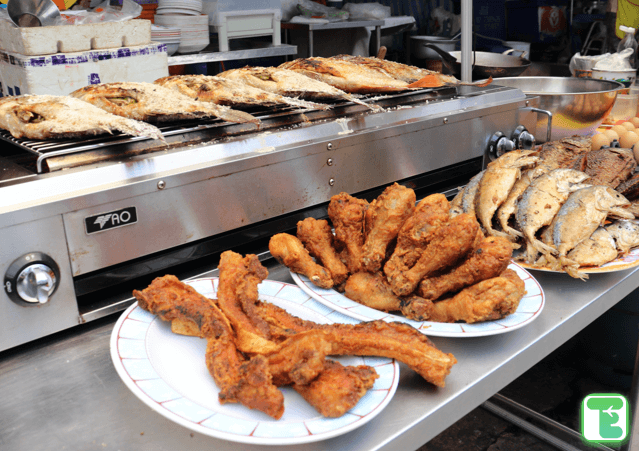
153 103
224 91
509 207
625 233
577 219
496 184
289 83
539 204
52 117
346 75
596 250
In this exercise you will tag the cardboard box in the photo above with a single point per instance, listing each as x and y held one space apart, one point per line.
63 73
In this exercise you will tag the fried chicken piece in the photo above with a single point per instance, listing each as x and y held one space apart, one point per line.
450 243
487 300
383 219
371 290
338 388
430 213
237 295
374 338
289 251
416 308
485 262
347 216
317 237
300 359
238 380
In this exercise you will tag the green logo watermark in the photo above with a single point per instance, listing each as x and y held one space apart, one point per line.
605 418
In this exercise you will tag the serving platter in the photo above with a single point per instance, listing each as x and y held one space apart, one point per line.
630 260
168 373
529 309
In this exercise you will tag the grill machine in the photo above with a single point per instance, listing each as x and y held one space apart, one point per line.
82 222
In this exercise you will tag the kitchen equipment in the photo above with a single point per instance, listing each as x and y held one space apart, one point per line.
578 105
485 64
418 49
113 212
45 11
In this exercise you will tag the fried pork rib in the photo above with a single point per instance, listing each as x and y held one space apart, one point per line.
374 338
487 261
383 219
450 243
289 251
237 295
247 382
347 216
318 238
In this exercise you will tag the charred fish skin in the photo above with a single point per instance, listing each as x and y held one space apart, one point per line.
496 184
582 214
625 233
539 204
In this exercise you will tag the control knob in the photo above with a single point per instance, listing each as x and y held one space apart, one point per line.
522 138
32 279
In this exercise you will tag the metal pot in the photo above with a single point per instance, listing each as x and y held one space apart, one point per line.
485 64
418 49
578 105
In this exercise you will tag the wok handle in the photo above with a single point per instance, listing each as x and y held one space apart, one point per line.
448 59
549 114
523 55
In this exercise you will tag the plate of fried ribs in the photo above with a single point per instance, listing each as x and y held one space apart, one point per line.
246 359
395 259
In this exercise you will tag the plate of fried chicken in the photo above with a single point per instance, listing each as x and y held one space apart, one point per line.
422 263
246 359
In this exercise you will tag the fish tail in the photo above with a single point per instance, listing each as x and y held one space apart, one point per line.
240 117
572 268
542 247
373 107
429 81
307 105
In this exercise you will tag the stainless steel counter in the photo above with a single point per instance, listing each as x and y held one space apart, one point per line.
62 392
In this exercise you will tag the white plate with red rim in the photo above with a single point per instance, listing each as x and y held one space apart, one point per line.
529 309
169 374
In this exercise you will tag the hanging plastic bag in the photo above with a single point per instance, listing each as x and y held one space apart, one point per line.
367 11
104 12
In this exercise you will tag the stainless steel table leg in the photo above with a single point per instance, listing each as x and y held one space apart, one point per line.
310 43
378 39
633 440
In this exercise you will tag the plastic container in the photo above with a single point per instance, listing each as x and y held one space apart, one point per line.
625 76
625 107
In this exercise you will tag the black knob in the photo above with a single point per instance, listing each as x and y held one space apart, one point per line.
522 138
32 279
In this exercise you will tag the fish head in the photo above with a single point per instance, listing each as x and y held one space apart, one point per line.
607 198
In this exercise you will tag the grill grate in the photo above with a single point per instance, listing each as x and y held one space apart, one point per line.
59 154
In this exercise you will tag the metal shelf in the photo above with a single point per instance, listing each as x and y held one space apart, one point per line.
210 56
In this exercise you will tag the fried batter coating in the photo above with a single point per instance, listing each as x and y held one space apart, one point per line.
450 243
485 262
383 219
417 308
347 216
317 237
393 340
236 297
371 290
239 381
430 213
289 251
338 388
487 300
300 359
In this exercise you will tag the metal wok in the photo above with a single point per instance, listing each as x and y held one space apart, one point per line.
485 64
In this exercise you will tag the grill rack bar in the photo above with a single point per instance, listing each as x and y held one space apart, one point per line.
271 117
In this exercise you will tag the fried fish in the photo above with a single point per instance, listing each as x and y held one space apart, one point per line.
53 117
225 91
153 103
